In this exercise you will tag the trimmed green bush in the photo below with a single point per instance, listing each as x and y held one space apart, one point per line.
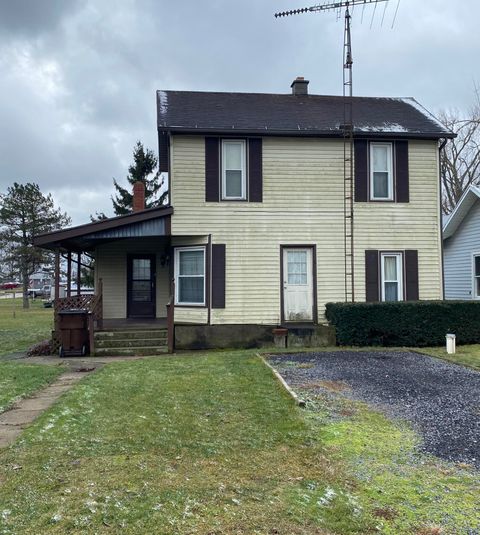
416 323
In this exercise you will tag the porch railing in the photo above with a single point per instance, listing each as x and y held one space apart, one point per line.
91 303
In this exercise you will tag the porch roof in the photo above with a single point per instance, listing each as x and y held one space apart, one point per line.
150 222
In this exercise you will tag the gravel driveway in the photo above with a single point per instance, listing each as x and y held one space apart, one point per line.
441 400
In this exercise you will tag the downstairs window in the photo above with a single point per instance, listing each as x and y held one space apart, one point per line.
190 276
392 276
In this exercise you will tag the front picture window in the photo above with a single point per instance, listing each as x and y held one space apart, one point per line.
233 170
392 277
381 176
190 276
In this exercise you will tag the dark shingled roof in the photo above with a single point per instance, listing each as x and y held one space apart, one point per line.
187 111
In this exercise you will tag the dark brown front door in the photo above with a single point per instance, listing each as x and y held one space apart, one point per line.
141 286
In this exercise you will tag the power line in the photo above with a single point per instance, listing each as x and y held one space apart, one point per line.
373 15
395 16
383 16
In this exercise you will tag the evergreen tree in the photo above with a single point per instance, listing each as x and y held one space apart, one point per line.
143 169
24 213
99 216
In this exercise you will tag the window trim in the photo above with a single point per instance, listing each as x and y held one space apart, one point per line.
177 251
474 286
390 166
400 274
243 144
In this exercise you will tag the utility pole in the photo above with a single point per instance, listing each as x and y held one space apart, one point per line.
348 131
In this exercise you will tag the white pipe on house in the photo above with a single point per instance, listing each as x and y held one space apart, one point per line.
450 338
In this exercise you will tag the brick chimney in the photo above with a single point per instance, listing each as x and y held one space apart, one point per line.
138 196
300 86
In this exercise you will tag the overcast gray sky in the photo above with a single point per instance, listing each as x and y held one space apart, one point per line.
78 77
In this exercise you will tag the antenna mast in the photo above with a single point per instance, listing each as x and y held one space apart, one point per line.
348 128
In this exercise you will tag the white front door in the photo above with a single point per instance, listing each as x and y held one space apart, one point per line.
297 284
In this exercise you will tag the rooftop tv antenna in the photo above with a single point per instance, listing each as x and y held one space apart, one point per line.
347 127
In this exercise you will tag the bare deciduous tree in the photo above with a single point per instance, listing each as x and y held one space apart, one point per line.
460 162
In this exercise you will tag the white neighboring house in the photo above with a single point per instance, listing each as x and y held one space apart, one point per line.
40 278
461 235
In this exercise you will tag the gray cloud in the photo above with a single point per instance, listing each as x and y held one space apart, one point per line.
79 77
33 17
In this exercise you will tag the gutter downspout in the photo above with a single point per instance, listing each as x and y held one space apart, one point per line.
440 149
209 312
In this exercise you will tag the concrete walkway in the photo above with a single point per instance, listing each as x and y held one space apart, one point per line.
25 411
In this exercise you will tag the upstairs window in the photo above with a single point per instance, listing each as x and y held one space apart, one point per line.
234 180
392 277
381 172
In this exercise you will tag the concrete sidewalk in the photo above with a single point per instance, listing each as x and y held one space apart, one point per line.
25 411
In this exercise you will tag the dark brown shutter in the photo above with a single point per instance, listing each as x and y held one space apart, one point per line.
212 169
401 171
411 275
255 170
361 170
218 275
371 276
163 151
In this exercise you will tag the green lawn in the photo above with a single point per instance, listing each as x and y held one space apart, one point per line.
468 355
19 380
19 329
211 444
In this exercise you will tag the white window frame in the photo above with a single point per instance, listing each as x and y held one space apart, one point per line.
474 286
399 259
178 250
389 146
243 144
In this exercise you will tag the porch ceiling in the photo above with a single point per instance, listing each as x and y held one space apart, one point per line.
146 223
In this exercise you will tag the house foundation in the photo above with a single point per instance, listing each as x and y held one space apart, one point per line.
250 336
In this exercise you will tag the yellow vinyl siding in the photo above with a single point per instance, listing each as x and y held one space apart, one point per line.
413 225
111 267
302 204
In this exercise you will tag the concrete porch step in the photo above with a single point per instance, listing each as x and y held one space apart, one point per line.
130 351
105 343
128 334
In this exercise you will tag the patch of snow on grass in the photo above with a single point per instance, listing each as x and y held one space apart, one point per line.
327 497
91 506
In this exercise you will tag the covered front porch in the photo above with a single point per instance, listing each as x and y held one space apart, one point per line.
132 261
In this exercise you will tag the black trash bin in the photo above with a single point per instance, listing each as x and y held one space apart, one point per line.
74 336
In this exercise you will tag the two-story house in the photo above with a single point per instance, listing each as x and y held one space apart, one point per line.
254 236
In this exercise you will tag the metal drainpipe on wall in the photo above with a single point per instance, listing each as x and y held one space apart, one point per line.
209 316
440 150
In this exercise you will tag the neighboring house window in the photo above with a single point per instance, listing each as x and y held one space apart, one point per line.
190 276
391 277
234 182
476 276
381 172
